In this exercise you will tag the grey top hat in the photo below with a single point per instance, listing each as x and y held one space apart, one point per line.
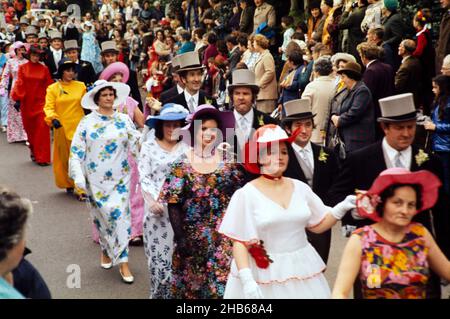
397 108
64 14
71 45
24 20
243 78
189 61
41 17
109 46
297 110
31 31
42 35
53 34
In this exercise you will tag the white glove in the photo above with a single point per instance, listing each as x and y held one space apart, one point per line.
251 288
356 215
343 207
81 185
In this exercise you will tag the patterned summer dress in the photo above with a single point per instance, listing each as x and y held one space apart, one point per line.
204 199
15 131
394 270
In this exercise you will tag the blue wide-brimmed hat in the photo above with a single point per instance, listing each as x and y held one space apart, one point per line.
169 112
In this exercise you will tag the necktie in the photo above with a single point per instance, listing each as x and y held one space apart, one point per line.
397 160
306 166
243 125
192 104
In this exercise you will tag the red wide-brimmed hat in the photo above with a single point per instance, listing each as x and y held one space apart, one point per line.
264 136
429 183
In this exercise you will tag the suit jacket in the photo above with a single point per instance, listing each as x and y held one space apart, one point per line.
180 99
20 37
168 95
264 13
356 118
324 175
49 61
246 21
70 33
265 77
362 167
379 78
259 119
85 73
409 79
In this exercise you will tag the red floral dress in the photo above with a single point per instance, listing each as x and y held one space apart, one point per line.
394 270
204 199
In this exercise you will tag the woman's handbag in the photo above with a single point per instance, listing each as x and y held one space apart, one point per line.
338 145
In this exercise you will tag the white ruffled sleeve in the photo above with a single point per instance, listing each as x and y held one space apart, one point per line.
238 222
318 209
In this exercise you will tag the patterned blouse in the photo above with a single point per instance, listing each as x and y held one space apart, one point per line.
394 270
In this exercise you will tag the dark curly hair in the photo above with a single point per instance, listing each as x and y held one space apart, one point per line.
14 213
97 95
390 191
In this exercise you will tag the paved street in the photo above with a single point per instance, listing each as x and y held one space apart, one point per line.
59 235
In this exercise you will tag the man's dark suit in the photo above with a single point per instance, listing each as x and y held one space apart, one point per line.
363 166
246 22
71 33
85 73
408 79
379 78
325 173
202 97
20 36
49 61
168 95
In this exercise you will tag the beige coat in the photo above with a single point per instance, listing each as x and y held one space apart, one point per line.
320 92
265 76
264 13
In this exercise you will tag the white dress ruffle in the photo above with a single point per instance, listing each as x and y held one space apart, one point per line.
297 269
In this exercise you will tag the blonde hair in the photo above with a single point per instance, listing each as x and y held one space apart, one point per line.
262 41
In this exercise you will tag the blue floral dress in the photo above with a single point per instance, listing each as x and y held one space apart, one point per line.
154 165
99 155
90 51
203 198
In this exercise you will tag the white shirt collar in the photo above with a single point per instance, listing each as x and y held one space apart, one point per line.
391 153
248 116
370 63
179 89
309 152
53 50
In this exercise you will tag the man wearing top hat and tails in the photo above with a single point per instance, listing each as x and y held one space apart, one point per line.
110 54
21 33
84 70
55 53
191 73
314 165
68 28
178 88
398 122
243 93
31 35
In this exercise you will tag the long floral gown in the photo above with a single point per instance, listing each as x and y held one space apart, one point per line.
136 199
99 155
15 131
204 199
154 166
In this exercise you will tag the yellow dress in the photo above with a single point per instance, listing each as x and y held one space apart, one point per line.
63 102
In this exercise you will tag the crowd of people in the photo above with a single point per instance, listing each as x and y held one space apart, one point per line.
229 149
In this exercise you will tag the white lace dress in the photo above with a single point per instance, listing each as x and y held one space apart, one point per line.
297 269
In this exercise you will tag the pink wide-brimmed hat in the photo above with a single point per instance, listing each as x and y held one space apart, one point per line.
428 182
113 68
17 45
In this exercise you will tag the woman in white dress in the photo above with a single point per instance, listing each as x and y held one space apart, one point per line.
99 166
158 152
267 218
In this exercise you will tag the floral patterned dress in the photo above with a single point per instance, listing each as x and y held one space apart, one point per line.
394 270
204 199
154 166
15 131
99 155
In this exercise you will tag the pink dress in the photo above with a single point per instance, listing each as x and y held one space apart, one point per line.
136 199
15 131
